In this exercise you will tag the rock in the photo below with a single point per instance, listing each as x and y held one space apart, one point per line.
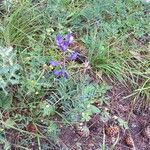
82 130
146 132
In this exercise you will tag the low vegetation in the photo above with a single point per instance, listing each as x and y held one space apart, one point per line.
59 62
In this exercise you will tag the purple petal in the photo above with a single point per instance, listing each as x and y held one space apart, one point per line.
64 46
73 55
62 69
57 73
69 38
59 40
64 73
54 63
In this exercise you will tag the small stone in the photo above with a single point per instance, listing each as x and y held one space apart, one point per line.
91 145
36 93
33 144
115 117
133 125
106 109
76 139
147 1
146 132
82 130
47 106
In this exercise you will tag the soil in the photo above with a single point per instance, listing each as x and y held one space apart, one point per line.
138 119
123 139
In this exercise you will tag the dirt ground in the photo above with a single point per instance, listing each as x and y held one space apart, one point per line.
111 133
138 119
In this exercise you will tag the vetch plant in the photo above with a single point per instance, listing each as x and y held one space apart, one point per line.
54 63
63 45
77 99
73 55
61 72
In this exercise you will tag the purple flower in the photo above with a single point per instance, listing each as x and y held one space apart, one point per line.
54 63
73 55
57 73
59 40
64 44
62 72
69 38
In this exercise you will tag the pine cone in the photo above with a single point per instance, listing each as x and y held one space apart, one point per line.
112 131
82 130
129 141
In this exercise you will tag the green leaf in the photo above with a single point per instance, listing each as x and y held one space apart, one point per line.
9 123
5 101
123 123
94 109
89 91
5 142
47 109
86 115
7 145
53 129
